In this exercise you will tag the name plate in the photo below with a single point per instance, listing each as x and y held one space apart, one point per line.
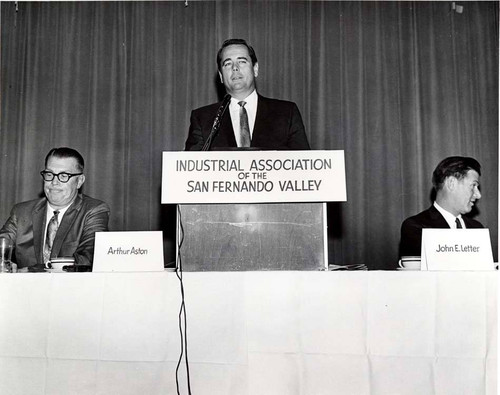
253 177
456 249
128 252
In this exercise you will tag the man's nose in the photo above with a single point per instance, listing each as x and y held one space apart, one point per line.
235 66
477 194
55 181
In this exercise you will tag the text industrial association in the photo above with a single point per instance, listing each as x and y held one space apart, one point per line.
255 165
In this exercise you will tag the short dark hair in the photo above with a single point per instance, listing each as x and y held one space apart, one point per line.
235 41
455 166
65 152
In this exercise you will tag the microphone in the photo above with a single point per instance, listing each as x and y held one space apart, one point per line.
216 124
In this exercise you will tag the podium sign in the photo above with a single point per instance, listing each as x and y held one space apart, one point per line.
456 249
253 177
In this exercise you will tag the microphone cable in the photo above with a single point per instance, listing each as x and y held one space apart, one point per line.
216 124
182 310
178 266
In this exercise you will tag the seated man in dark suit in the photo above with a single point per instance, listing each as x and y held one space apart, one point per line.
456 183
251 120
61 224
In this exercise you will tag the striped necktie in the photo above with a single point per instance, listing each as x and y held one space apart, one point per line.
244 128
49 238
459 224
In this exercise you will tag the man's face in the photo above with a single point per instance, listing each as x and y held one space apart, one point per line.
466 192
237 72
61 194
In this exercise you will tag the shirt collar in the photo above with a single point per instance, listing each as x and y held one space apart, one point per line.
251 100
62 211
449 217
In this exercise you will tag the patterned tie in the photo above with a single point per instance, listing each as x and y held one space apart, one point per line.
459 225
49 238
244 128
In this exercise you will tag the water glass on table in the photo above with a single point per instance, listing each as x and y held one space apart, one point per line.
6 255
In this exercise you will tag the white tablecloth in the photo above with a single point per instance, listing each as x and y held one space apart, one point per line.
250 333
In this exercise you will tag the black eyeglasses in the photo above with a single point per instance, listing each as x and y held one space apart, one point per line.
62 177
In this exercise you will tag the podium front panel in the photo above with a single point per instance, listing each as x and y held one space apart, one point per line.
270 236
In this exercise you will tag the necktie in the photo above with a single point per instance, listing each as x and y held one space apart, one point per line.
244 128
459 224
49 238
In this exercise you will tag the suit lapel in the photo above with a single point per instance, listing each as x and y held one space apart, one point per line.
65 225
438 218
260 118
39 216
469 223
227 127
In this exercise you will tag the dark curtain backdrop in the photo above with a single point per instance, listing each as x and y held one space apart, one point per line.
397 85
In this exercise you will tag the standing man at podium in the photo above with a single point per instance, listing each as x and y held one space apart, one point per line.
244 118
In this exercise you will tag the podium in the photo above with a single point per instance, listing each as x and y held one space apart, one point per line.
260 210
264 236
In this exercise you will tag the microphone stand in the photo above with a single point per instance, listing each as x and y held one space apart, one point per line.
216 124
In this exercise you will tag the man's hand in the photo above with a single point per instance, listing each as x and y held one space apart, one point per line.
16 270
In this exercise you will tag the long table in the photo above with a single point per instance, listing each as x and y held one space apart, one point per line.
250 333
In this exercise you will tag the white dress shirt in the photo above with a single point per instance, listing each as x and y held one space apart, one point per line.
449 217
50 214
251 107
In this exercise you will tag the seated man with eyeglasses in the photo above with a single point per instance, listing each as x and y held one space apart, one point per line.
61 224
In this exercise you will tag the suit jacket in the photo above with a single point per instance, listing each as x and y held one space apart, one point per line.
75 235
411 229
278 126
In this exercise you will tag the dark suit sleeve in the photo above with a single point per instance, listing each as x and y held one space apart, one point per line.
297 139
9 230
411 238
195 139
96 220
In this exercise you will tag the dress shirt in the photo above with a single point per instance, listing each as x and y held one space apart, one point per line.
251 107
449 217
50 214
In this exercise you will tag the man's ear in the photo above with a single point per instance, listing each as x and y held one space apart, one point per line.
256 70
220 77
450 183
81 180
